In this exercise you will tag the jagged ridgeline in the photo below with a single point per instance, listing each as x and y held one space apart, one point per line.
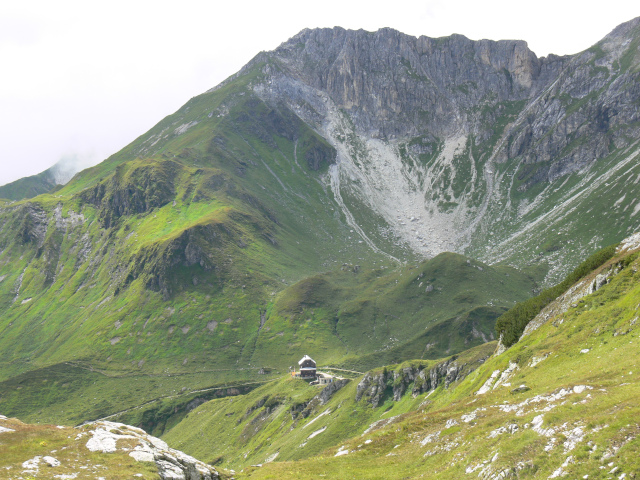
304 206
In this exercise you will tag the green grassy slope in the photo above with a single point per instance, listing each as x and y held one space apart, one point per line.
161 259
561 401
175 219
512 324
289 418
28 187
439 307
74 393
317 316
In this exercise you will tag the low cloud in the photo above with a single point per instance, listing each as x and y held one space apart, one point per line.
70 164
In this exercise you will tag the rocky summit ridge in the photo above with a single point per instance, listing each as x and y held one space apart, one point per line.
463 145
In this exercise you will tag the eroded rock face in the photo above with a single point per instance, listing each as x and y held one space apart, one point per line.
327 392
384 78
374 388
396 85
172 464
307 408
458 132
33 224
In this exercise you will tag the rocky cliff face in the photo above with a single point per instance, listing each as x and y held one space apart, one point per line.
376 387
395 85
604 79
464 145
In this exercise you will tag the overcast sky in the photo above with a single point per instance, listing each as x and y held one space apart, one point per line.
82 78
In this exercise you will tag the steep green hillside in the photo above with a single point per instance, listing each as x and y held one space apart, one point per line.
439 307
71 394
512 324
561 401
28 187
288 419
165 262
174 255
425 311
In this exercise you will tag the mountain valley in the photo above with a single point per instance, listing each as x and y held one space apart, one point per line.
379 202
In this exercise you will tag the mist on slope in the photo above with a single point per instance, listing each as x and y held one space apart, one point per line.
70 164
64 169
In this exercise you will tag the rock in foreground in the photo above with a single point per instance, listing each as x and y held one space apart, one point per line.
102 450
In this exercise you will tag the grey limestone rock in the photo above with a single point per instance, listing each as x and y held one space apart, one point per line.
474 126
172 464
600 280
374 387
328 391
396 85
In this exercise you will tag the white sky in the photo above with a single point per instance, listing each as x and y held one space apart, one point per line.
84 78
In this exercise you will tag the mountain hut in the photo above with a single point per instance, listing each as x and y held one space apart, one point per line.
307 367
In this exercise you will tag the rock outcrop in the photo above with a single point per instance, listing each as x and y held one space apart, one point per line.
134 189
307 408
327 392
385 78
375 388
396 86
172 464
66 452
